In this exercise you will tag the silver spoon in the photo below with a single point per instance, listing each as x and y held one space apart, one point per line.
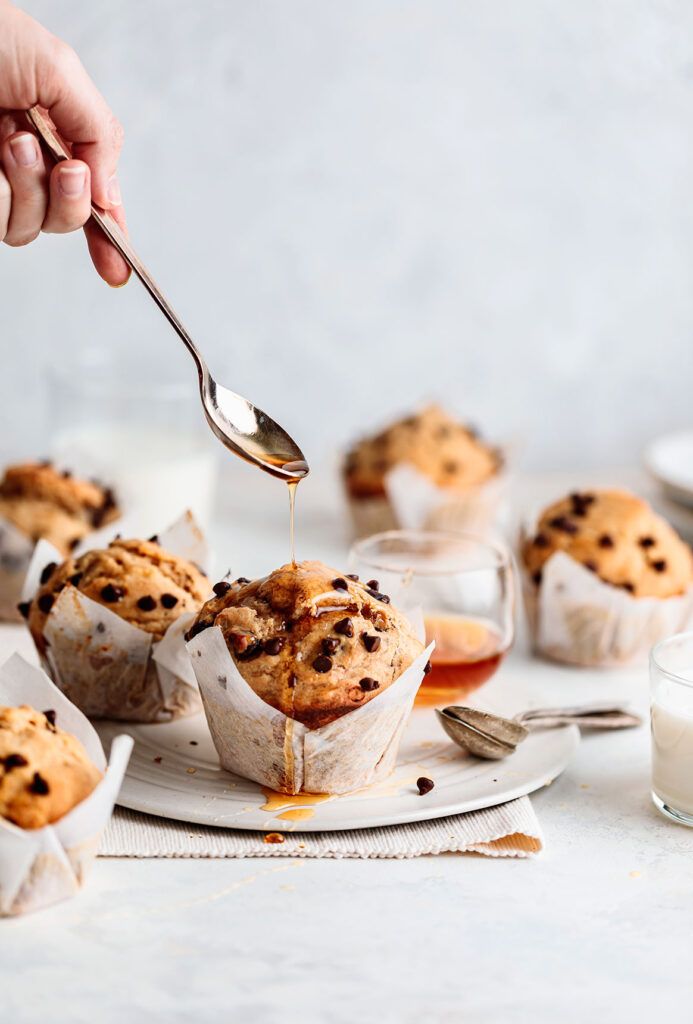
244 429
493 737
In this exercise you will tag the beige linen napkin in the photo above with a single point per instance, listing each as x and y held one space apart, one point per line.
509 830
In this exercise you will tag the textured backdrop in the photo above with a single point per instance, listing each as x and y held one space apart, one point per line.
356 204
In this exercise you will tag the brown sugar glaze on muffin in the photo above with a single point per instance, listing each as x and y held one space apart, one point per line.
43 502
137 579
617 536
310 641
448 452
44 772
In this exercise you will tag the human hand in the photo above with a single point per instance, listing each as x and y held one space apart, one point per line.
36 68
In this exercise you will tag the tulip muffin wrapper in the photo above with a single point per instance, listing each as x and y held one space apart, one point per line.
110 668
39 867
260 743
576 617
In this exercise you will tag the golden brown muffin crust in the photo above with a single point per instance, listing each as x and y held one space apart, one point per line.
448 452
44 772
617 536
137 579
43 502
310 641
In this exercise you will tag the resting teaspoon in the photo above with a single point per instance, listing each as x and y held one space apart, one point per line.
243 428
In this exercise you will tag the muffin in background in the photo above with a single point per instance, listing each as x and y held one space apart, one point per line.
448 456
605 579
40 502
105 669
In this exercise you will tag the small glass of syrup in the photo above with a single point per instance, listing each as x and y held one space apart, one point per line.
463 586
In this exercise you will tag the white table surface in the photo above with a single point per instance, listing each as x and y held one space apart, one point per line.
600 926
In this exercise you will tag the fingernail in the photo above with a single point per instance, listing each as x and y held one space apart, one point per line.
114 192
72 180
24 150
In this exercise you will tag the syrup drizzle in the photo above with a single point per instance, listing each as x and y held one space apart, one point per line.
292 485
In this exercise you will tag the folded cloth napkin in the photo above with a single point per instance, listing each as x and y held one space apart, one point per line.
509 830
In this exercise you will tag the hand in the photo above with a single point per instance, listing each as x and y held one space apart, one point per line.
39 69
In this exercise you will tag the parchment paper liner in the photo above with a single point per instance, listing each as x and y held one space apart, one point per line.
110 668
414 502
42 866
260 743
575 617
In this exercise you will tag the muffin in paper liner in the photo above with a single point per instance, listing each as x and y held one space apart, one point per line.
16 550
414 502
42 866
110 668
260 743
575 617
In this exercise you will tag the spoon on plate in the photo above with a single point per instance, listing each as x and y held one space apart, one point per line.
493 737
243 428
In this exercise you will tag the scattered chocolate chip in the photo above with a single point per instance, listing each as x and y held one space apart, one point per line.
605 541
72 544
340 584
345 627
590 564
541 541
38 785
100 628
536 577
50 715
427 668
47 572
45 602
274 645
252 651
198 627
242 580
646 542
193 743
24 607
329 645
424 785
580 503
154 539
450 466
628 586
371 643
169 601
373 585
146 603
660 565
322 663
353 576
14 761
221 588
111 594
367 684
378 596
564 524
75 579
66 474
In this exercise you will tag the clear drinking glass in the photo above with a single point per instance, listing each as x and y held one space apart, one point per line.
465 588
671 718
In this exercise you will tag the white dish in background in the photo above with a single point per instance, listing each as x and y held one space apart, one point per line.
188 784
670 461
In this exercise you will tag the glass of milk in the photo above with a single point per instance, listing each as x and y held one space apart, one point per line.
141 432
671 687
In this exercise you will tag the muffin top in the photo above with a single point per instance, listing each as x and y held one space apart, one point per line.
617 536
449 453
43 502
44 772
137 579
311 642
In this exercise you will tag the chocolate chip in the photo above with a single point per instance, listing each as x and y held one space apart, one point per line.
47 572
198 627
345 627
628 586
50 715
424 785
330 645
168 601
367 684
660 565
322 663
157 760
605 541
541 541
75 579
274 645
590 564
647 542
66 474
450 466
242 580
221 588
146 603
564 524
427 668
252 651
371 643
340 584
373 585
378 596
536 577
111 594
353 576
38 785
72 544
14 761
45 602
193 743
24 607
154 539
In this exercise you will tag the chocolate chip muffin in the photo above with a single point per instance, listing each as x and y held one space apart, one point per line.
449 453
618 537
310 641
44 772
137 579
43 502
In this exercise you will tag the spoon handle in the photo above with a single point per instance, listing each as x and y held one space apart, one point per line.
588 716
114 233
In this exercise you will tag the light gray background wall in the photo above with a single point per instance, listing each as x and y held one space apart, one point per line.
357 204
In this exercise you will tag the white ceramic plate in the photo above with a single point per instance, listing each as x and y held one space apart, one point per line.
174 773
670 460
